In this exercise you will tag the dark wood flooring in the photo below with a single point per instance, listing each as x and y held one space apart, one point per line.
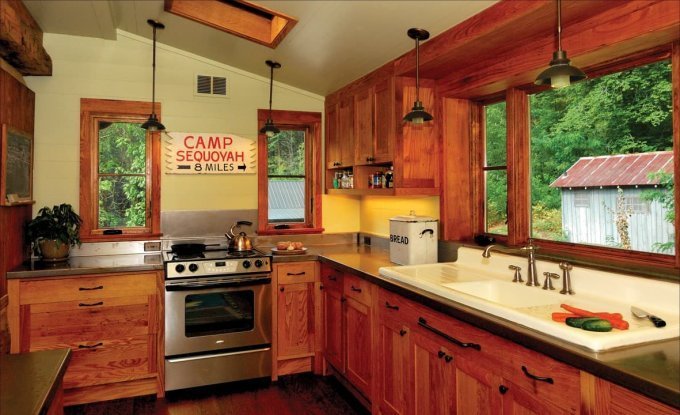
304 394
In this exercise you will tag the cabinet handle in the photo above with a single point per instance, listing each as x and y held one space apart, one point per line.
534 377
296 273
440 354
282 289
99 287
423 323
402 332
90 304
502 389
358 290
84 346
390 306
448 358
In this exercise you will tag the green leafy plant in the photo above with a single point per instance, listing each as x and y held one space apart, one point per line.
60 223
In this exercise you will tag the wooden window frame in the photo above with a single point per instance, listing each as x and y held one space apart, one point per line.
519 179
311 122
129 111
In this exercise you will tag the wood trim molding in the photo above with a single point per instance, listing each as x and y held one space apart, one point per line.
519 181
675 63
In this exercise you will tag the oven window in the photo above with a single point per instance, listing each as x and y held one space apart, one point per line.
219 313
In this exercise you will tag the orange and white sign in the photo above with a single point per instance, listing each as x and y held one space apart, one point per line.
209 153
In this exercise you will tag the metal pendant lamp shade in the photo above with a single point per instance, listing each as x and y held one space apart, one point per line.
418 115
560 73
152 124
269 128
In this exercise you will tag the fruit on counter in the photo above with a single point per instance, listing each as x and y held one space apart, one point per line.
589 323
289 245
615 321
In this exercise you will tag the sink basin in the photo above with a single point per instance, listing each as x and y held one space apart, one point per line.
505 293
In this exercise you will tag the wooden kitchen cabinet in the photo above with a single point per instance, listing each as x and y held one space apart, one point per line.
601 397
111 322
333 317
432 375
297 327
363 127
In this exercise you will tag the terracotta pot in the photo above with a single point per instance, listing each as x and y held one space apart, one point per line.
53 251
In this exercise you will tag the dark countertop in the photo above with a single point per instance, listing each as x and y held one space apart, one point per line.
651 369
82 265
29 381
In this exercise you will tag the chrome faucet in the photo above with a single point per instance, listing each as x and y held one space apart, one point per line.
530 250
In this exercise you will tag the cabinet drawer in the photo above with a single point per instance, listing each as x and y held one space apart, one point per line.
86 288
560 385
357 289
109 361
296 272
331 278
396 308
66 324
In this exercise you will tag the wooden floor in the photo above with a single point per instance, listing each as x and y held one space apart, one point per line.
292 395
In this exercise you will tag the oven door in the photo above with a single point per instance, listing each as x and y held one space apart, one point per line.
217 314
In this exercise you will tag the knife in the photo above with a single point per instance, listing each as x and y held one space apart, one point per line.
639 313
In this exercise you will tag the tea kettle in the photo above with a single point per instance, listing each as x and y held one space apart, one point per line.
239 242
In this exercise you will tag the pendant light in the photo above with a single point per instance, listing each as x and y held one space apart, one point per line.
269 128
152 124
560 73
418 115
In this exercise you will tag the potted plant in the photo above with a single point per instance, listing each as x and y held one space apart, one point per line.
54 231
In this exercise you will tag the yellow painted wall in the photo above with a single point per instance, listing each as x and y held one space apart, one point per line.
341 214
376 211
121 69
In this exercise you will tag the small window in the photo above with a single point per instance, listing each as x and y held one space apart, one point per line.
495 169
120 166
581 198
636 205
290 175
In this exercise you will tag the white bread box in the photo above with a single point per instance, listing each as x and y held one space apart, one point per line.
413 239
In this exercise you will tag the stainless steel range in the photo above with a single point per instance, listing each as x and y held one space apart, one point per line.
217 316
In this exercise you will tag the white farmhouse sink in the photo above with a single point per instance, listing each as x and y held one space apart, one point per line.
487 287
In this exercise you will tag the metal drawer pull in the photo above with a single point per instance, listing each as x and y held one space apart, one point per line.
358 290
390 306
440 354
282 289
423 323
503 389
448 358
84 346
99 287
402 332
296 273
90 304
540 378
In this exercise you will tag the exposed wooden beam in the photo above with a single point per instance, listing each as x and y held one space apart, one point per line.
21 40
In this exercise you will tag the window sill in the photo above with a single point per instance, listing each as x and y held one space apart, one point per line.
292 231
121 237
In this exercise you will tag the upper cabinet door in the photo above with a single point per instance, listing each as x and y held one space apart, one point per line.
346 131
363 127
383 143
332 137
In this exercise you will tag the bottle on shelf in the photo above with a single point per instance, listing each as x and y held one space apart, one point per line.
389 178
350 180
344 180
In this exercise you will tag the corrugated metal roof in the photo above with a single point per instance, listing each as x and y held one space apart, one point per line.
616 170
286 199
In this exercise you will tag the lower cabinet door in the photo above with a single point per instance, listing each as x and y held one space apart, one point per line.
433 376
479 387
333 333
295 335
358 338
393 340
517 401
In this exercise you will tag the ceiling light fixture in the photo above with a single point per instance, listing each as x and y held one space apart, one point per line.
418 115
269 128
152 124
560 73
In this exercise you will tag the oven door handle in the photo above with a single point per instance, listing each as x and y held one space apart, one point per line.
202 285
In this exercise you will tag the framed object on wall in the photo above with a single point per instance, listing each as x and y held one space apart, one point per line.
16 167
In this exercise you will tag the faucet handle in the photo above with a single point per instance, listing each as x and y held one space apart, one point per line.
518 274
565 266
549 276
566 278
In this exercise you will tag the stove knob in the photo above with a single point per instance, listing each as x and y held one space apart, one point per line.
246 264
258 263
193 267
179 268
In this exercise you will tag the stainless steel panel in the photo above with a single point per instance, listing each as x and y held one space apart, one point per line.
188 372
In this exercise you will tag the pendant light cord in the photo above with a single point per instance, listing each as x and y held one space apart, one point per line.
559 24
417 75
271 88
153 76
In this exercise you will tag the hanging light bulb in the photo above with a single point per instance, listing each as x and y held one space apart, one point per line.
560 73
269 128
418 115
152 124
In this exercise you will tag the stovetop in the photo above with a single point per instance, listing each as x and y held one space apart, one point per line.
217 262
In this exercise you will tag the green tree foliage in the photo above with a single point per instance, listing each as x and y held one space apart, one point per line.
286 153
664 194
122 170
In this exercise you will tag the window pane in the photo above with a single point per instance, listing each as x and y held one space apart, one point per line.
496 134
497 202
122 148
286 153
602 161
122 201
286 200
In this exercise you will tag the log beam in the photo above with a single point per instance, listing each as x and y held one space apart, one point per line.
21 40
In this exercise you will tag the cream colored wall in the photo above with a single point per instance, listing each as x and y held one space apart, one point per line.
377 210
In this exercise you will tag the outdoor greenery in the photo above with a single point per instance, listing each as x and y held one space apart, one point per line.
122 175
286 153
621 113
60 223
